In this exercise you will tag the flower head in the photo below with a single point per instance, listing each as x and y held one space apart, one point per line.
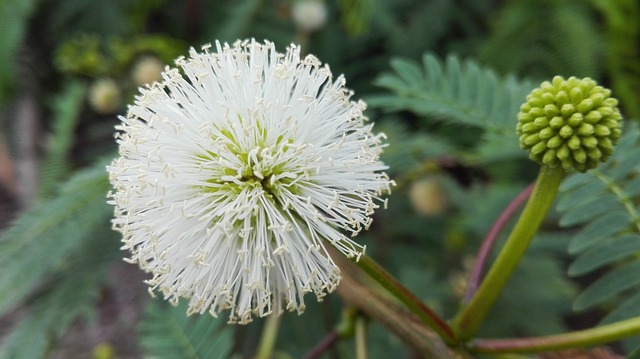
105 96
233 173
573 123
147 69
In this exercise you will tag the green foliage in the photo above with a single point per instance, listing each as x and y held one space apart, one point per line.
88 16
460 92
355 15
523 307
67 107
635 354
14 15
94 56
69 293
82 55
542 38
408 28
167 332
43 240
542 267
622 32
434 110
53 261
605 202
414 150
228 21
239 19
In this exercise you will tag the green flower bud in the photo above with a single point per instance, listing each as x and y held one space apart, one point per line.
571 123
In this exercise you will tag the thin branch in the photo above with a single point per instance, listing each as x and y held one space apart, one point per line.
490 240
325 344
472 315
407 327
588 337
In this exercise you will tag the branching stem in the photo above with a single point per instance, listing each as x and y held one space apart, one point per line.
415 305
325 344
490 240
469 319
581 338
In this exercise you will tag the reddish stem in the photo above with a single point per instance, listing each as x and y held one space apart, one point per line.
325 344
490 240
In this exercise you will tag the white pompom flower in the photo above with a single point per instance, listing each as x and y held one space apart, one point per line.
234 171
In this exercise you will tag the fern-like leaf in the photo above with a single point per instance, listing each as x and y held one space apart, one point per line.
167 332
604 203
69 293
66 110
409 150
44 239
459 92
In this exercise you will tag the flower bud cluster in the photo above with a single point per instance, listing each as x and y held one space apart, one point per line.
572 123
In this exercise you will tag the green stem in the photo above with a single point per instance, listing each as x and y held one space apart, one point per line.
268 337
415 305
469 319
581 338
361 337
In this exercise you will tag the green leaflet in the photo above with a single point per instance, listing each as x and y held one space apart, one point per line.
605 252
604 203
42 240
544 308
586 210
607 225
66 109
635 354
70 292
408 150
167 332
628 309
458 92
609 285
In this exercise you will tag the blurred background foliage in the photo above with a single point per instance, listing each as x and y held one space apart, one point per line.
443 79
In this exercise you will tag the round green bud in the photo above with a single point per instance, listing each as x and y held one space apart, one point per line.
572 123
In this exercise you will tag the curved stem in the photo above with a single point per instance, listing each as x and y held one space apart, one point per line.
490 240
327 342
581 338
469 319
415 305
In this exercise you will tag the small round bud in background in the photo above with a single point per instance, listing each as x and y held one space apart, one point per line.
427 197
572 123
147 69
309 15
105 96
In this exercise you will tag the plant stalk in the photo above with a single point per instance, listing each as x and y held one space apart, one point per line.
581 338
361 337
415 305
490 240
268 337
471 317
